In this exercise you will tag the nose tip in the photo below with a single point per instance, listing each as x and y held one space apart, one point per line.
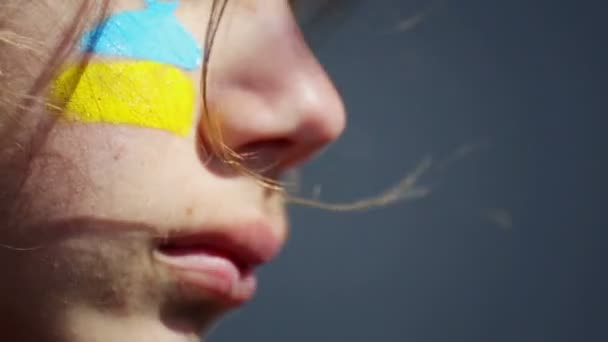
314 117
289 123
276 99
323 116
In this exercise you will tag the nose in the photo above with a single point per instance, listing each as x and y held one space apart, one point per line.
273 97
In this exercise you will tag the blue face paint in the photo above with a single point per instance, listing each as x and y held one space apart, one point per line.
153 33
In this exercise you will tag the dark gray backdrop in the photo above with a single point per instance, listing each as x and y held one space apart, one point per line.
511 243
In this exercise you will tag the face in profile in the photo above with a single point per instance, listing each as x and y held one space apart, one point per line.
142 208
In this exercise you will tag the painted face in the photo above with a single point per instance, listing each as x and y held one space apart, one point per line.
141 82
132 231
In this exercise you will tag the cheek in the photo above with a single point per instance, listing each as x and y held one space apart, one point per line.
143 81
146 94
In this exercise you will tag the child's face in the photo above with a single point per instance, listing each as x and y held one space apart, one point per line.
134 230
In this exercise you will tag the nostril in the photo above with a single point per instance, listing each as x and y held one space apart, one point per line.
265 147
265 157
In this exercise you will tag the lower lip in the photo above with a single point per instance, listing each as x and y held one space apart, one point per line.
216 276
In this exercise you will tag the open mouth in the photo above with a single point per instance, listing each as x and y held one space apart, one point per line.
221 265
193 256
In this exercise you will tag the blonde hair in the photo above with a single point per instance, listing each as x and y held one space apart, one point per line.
30 57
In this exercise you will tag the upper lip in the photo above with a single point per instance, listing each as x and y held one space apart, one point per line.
246 245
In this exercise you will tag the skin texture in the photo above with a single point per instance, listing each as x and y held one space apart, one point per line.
79 234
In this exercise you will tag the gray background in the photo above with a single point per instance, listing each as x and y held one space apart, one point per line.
510 244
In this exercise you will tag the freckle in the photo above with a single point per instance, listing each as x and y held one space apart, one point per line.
189 211
117 156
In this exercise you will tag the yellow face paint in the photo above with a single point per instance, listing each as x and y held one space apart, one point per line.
140 93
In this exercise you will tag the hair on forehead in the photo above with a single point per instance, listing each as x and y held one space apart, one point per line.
36 37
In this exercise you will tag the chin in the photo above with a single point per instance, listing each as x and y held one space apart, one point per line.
115 281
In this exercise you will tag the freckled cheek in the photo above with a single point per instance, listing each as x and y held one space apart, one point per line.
140 93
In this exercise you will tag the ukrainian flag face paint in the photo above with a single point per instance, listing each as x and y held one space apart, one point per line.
153 33
145 83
